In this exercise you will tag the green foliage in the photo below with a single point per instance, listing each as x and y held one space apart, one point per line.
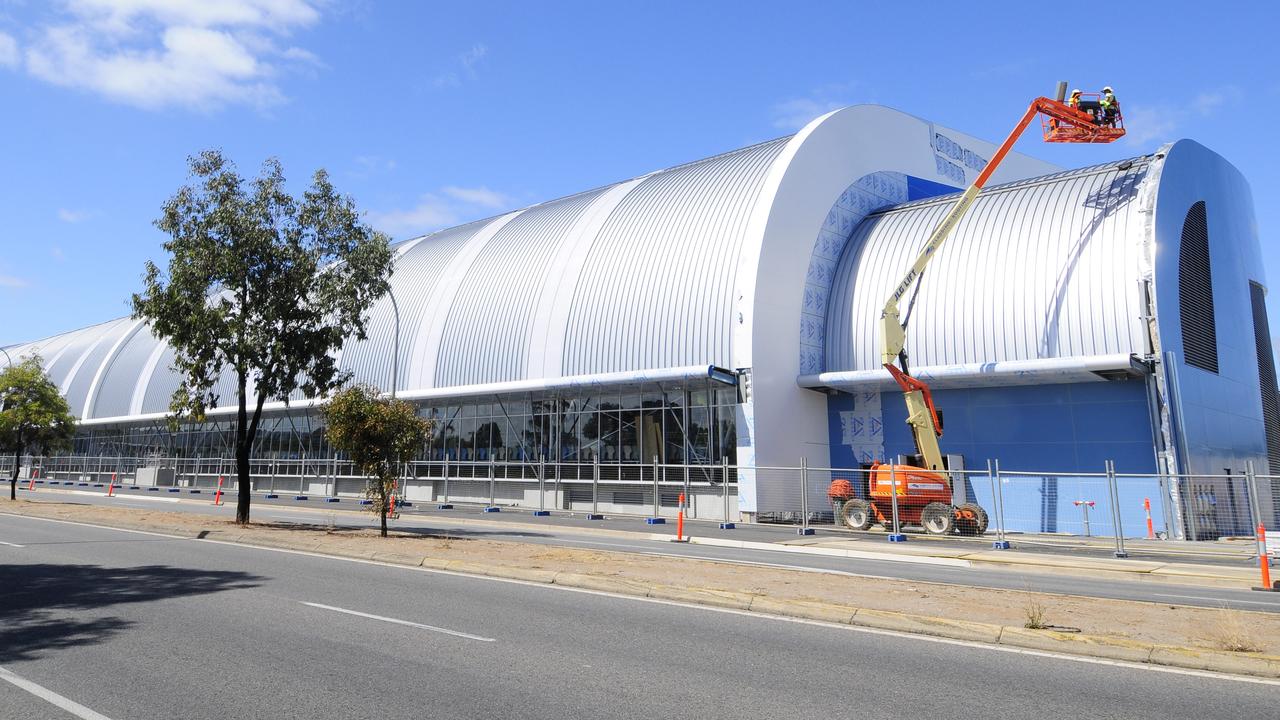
379 435
34 417
261 287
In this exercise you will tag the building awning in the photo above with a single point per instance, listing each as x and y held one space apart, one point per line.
616 380
1047 371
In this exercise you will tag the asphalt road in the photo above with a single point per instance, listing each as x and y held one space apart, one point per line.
565 531
131 625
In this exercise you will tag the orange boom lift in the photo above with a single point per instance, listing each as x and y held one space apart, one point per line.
923 491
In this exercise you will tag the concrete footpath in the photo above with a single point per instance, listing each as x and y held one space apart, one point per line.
1118 630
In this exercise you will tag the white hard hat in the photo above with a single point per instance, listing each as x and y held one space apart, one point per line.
1107 89
1076 91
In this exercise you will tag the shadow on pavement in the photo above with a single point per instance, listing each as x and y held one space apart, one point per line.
32 594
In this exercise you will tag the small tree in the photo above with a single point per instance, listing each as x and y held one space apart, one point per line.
379 435
261 286
34 417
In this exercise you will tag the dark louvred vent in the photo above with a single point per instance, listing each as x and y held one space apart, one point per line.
1195 292
1266 375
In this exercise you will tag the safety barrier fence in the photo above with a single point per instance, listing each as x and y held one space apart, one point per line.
651 490
1103 504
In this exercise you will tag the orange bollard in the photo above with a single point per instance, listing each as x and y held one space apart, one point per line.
32 485
1263 561
392 509
217 496
1151 531
680 521
111 486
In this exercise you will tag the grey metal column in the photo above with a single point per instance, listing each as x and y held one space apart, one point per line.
804 497
1118 529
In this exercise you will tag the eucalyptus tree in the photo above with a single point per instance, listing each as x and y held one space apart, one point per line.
262 288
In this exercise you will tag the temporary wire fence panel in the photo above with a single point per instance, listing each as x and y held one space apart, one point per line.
1192 507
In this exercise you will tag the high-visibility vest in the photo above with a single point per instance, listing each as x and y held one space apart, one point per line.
1074 101
1108 99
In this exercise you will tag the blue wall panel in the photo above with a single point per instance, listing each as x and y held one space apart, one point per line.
1069 430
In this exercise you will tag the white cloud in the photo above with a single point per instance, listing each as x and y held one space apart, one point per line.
795 113
1144 123
9 281
481 196
467 63
72 216
57 253
450 206
9 55
162 53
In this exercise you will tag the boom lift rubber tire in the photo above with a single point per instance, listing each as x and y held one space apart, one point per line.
938 518
856 514
971 520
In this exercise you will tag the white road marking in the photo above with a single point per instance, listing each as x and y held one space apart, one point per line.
11 544
432 628
730 611
1212 599
51 697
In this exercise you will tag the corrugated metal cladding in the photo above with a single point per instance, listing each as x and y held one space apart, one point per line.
417 271
657 287
1040 268
488 332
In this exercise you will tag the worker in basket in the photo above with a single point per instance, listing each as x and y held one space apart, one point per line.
1093 107
1110 107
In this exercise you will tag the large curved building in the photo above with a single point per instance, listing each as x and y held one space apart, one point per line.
724 312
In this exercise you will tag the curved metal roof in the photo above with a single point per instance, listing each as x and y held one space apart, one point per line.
635 276
1040 268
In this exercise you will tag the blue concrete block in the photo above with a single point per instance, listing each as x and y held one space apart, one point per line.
728 526
84 485
299 497
493 509
809 531
896 538
331 500
1001 545
194 491
134 487
594 516
153 489
39 482
403 503
175 489
444 506
541 513
655 521
272 496
99 485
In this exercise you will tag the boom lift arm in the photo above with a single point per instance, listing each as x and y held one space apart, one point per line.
1064 124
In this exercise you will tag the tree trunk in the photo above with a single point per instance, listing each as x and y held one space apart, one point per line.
13 481
382 488
243 481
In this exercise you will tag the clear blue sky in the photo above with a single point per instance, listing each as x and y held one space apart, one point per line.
431 113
